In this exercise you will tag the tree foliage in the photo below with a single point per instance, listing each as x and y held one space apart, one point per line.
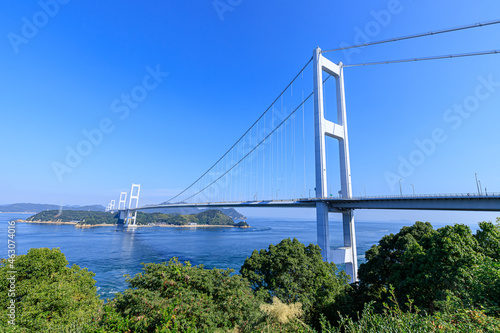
210 217
86 217
429 265
418 280
294 273
179 297
488 238
392 318
48 295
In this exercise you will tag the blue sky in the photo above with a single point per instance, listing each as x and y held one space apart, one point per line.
209 69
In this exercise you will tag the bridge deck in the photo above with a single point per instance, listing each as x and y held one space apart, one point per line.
438 202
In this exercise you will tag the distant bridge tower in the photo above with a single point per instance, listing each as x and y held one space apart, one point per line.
122 203
131 216
322 128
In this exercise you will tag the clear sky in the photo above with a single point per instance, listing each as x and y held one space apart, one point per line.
207 69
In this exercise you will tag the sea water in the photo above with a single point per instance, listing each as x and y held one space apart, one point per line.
112 252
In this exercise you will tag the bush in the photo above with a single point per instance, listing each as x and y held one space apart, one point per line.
179 297
454 318
49 296
295 273
430 265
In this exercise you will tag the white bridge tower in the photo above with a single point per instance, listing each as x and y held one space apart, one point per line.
322 128
129 217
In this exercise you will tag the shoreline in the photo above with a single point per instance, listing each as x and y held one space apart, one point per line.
46 222
193 226
87 226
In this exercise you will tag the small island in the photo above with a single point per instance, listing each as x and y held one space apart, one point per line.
89 219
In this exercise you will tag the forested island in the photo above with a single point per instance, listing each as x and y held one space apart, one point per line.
213 217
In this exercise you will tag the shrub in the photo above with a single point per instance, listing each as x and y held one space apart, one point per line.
49 296
179 297
429 265
295 273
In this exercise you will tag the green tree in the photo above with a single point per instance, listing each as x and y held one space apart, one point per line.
295 273
429 266
84 217
171 297
392 318
49 296
488 238
214 217
387 262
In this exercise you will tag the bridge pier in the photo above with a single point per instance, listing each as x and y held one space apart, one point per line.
122 215
131 218
350 259
323 230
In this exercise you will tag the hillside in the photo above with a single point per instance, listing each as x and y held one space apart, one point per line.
209 217
83 217
231 212
176 211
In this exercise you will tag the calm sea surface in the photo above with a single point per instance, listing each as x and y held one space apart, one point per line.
111 252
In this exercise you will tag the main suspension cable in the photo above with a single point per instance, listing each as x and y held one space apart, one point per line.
397 39
460 55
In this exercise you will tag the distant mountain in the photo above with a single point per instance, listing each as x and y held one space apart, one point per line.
231 212
36 208
175 211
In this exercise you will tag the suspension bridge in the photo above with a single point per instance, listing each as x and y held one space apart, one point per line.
281 161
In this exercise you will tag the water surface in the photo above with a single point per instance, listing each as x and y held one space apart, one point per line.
112 252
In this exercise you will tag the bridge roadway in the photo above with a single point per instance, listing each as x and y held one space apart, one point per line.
457 202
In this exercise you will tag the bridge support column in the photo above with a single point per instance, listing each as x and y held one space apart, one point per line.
323 229
338 131
351 255
131 218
